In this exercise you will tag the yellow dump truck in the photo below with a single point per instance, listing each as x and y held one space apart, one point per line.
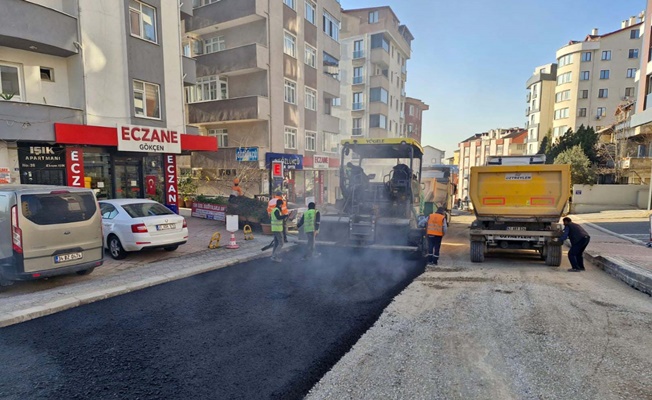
518 202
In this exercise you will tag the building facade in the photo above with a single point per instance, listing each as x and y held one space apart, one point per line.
92 95
540 105
375 51
413 112
433 156
595 76
267 79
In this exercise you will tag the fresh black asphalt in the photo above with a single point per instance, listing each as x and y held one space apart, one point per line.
254 331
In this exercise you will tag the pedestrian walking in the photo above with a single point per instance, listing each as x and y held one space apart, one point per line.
272 205
579 239
310 222
277 218
435 231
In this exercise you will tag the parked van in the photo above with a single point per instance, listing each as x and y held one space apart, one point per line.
47 231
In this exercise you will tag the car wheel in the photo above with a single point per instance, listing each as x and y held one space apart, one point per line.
115 248
171 248
85 271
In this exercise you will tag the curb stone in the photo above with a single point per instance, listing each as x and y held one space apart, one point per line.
87 298
632 275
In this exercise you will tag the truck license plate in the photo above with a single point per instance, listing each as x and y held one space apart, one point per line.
165 227
67 257
516 228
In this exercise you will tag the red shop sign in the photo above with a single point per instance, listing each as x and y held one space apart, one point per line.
171 191
75 166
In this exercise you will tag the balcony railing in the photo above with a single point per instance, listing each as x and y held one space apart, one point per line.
358 54
357 132
358 80
358 106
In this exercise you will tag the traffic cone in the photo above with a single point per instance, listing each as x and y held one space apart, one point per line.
232 244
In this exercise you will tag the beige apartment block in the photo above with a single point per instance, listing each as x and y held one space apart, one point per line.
595 76
267 76
375 50
540 105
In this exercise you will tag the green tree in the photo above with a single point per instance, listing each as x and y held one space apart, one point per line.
582 172
585 137
544 145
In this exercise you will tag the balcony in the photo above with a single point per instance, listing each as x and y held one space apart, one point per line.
225 14
358 80
378 133
34 28
528 97
381 57
330 123
357 132
331 86
358 106
32 115
404 70
186 9
359 54
239 109
527 111
236 61
378 107
189 71
379 81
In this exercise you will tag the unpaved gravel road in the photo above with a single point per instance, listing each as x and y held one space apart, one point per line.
510 328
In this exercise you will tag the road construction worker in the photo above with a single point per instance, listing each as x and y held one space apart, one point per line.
270 208
579 240
436 229
310 223
278 219
236 190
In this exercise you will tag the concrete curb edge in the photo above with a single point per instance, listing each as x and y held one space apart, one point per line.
630 274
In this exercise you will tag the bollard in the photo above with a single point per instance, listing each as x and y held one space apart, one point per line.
215 241
232 244
248 233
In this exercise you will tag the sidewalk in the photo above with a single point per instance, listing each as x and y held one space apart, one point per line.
623 257
28 300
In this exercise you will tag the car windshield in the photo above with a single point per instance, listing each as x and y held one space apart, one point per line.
58 208
140 210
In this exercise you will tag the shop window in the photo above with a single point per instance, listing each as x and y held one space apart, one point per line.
147 100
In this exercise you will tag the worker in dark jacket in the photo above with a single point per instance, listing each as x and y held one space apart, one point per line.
310 222
277 218
579 239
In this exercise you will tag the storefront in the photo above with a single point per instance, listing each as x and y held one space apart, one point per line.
124 162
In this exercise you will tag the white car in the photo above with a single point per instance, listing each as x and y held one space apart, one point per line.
136 224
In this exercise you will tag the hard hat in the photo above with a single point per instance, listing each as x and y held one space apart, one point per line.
236 181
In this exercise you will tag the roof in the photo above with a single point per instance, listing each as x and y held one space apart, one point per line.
384 148
515 134
30 188
432 147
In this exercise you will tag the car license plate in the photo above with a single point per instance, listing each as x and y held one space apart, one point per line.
67 257
165 227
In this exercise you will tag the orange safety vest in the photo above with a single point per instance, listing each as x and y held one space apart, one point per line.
236 190
272 205
436 225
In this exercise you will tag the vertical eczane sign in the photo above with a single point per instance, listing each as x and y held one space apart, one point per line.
75 166
171 190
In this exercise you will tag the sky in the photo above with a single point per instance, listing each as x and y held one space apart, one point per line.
471 58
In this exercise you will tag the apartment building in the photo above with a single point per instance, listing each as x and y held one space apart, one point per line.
540 105
375 50
496 142
595 76
413 111
92 95
433 156
267 78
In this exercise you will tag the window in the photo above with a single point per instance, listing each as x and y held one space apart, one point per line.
290 45
564 78
633 53
378 40
311 56
603 93
142 21
584 94
208 88
310 12
378 94
329 143
289 3
47 74
373 17
601 112
200 3
358 49
410 128
358 77
222 136
336 102
331 66
147 101
331 26
585 75
604 74
586 56
290 92
290 138
358 103
581 112
629 92
214 44
59 208
561 113
606 55
559 130
311 141
565 60
378 121
562 96
311 99
411 110
357 127
634 33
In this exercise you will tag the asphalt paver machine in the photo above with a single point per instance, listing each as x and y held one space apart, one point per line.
381 197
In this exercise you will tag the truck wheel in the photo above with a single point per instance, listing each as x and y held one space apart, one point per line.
477 251
553 255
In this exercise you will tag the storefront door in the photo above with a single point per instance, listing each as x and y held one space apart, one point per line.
128 178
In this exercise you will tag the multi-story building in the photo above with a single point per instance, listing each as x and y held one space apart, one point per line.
540 105
375 50
414 109
433 156
595 76
496 142
267 79
92 95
